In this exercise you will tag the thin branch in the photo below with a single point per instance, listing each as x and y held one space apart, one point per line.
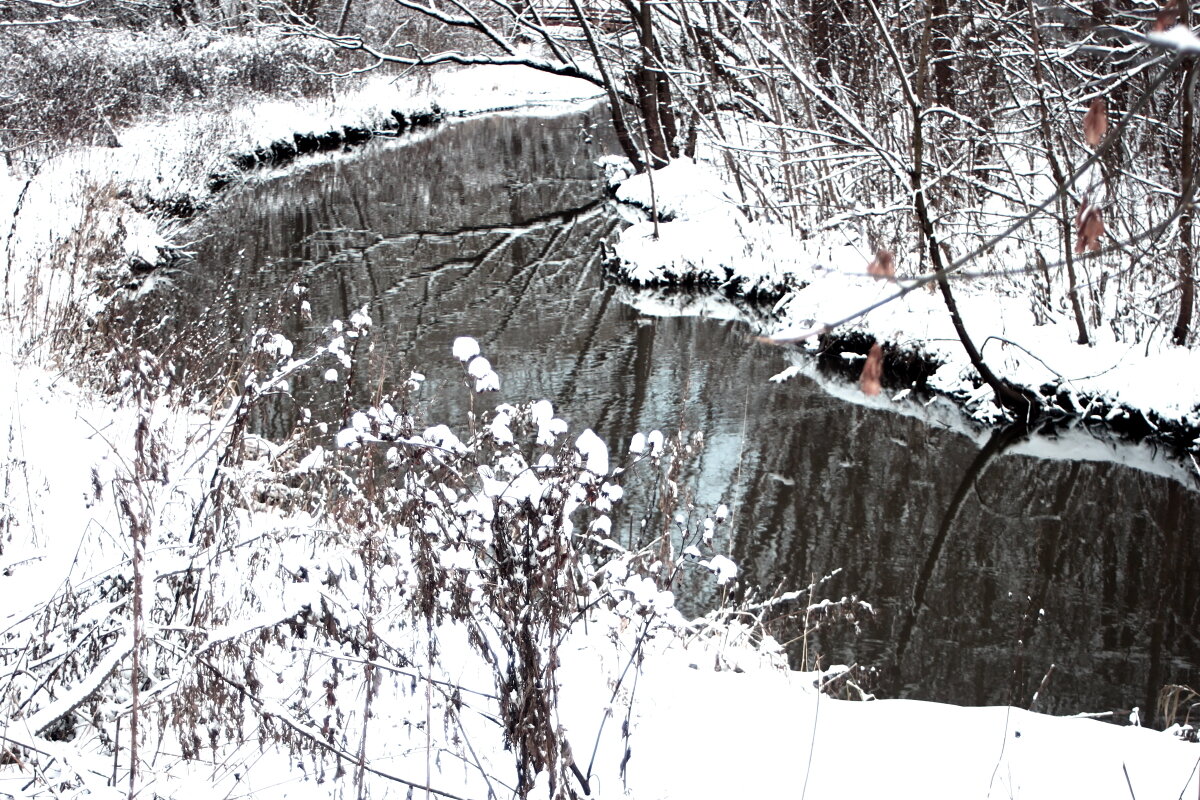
314 736
1108 142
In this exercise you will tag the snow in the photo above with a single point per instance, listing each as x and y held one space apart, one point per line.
716 713
824 282
479 367
465 348
496 88
594 452
443 437
486 380
723 568
1180 38
1070 443
549 427
164 158
700 700
500 430
835 748
705 237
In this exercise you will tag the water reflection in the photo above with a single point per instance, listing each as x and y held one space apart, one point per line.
985 567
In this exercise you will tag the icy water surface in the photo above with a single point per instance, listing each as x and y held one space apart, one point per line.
985 567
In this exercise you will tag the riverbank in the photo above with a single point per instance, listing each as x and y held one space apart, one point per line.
296 668
92 221
1142 390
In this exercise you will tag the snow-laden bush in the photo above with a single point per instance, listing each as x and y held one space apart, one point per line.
392 606
74 86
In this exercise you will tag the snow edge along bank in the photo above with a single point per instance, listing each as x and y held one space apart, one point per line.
702 243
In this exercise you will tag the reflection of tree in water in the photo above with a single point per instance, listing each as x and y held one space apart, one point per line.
492 228
961 551
474 227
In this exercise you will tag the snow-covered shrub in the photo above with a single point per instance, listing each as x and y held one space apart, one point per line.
70 87
295 602
51 277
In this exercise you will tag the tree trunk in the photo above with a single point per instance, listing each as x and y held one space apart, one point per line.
614 100
1187 169
647 91
184 13
1006 396
1060 178
666 111
942 52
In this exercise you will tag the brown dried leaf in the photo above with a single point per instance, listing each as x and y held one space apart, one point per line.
869 381
883 267
1094 229
1095 122
1167 17
1091 228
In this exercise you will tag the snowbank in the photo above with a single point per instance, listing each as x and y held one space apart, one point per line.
670 711
87 216
705 734
176 154
701 712
822 279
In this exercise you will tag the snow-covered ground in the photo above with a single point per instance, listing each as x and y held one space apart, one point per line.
823 280
703 715
161 158
693 711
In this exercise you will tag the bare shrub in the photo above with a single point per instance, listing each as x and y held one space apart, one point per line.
73 87
300 594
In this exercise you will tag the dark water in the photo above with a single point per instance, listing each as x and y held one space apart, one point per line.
984 567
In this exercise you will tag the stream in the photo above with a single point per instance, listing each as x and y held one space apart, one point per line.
986 560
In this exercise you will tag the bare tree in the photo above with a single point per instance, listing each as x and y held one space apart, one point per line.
949 138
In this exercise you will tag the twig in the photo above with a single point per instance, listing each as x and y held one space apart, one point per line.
957 265
475 756
429 709
23 745
1041 687
315 737
617 688
1003 745
1191 775
812 746
64 21
1128 782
